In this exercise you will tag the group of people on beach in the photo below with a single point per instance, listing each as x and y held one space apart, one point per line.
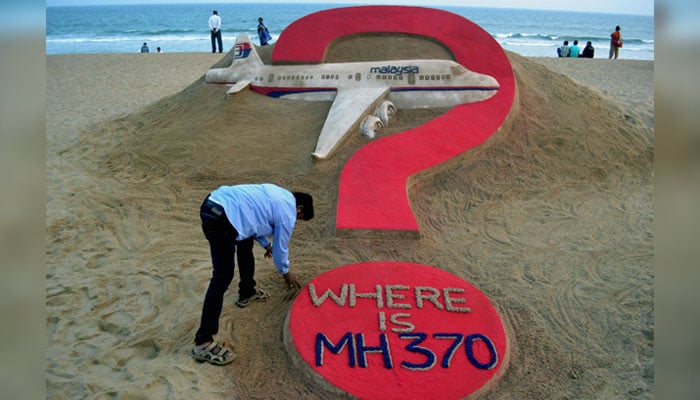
564 50
144 48
574 51
216 39
215 28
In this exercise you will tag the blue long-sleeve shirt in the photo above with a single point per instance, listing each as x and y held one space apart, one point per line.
260 211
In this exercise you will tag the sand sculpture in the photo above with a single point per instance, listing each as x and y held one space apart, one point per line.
383 330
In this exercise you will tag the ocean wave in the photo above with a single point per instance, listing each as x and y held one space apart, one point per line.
534 37
150 32
524 44
164 37
166 32
523 35
116 39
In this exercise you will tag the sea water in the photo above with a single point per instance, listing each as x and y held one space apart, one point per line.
184 27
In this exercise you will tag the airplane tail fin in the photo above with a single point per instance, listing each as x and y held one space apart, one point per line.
244 52
245 60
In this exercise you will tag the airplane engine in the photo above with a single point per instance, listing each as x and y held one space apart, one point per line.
370 125
385 112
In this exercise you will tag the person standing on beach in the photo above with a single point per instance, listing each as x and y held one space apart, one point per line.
615 43
215 28
588 51
263 33
233 217
144 48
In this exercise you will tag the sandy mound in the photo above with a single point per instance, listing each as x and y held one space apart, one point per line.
552 218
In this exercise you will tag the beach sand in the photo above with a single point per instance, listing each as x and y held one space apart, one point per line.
552 218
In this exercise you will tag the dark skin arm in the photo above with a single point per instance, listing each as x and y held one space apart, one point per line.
289 278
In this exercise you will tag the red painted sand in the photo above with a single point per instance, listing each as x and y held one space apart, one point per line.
395 330
395 297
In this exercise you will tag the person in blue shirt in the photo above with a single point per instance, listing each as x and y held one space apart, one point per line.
263 33
574 50
233 218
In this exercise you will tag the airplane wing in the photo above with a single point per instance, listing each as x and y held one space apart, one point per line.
345 115
238 86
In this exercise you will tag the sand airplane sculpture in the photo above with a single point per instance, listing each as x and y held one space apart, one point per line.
364 94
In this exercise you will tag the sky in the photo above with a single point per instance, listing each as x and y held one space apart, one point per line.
639 7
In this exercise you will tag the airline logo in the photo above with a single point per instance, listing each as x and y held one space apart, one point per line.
395 69
241 50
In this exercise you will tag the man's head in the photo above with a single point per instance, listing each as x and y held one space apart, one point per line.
305 205
215 12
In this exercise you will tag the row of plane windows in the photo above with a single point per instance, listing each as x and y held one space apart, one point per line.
357 77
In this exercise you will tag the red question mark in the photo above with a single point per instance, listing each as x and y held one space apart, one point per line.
372 191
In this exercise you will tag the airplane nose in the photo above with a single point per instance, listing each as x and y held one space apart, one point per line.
214 75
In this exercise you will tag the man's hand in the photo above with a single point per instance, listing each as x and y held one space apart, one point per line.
292 282
268 251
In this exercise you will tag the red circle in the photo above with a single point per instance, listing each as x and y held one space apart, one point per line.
380 347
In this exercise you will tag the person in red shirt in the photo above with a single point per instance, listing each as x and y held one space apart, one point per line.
615 43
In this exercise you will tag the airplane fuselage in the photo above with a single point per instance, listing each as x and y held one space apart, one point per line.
412 83
355 88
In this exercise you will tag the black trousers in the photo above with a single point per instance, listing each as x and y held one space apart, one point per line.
216 39
223 245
